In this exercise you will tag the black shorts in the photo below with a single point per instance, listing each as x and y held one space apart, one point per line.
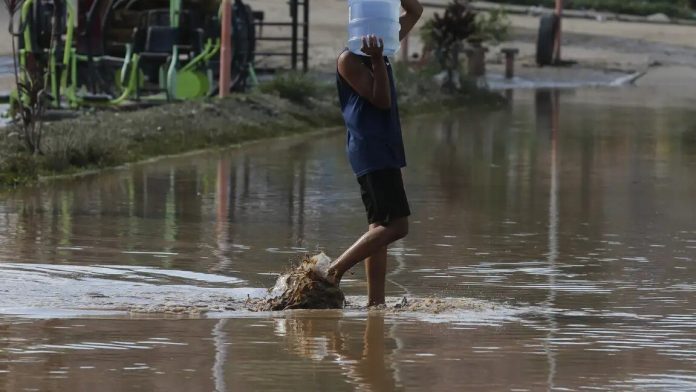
384 196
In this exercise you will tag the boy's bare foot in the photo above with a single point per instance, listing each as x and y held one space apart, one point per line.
322 267
332 277
329 275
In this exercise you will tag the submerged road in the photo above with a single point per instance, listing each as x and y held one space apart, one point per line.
557 235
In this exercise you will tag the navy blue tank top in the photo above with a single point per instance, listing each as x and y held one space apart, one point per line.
373 135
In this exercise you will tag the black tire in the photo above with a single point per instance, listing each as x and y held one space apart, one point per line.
244 44
548 26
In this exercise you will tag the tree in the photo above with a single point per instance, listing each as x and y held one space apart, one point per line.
31 76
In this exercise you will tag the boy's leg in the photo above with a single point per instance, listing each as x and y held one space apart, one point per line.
374 240
383 194
376 271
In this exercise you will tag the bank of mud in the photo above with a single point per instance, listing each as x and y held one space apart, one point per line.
107 138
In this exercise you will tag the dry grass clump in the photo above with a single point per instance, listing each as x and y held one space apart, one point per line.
296 87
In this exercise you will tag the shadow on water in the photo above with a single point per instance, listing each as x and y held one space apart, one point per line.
574 206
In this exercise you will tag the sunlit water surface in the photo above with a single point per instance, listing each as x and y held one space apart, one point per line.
569 217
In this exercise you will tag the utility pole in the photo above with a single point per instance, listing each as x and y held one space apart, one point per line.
225 49
557 43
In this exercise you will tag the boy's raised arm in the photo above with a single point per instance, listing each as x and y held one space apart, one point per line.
412 12
374 85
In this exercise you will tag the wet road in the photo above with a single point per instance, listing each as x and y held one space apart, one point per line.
570 214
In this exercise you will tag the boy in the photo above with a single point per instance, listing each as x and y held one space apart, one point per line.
376 153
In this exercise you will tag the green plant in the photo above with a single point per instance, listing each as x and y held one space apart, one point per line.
294 86
17 168
426 33
493 26
30 106
445 35
83 148
31 77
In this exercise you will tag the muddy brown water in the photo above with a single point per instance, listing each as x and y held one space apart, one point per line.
569 218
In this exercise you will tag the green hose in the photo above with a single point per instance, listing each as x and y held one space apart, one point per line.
26 8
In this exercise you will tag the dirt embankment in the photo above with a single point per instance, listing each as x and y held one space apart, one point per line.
105 138
100 139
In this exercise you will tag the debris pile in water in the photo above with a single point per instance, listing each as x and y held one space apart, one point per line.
432 305
304 288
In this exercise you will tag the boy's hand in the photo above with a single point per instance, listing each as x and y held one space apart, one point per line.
372 46
371 84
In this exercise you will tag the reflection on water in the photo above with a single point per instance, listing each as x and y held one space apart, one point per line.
305 350
572 209
327 339
548 105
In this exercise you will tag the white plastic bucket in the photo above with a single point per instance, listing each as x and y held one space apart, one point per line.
374 17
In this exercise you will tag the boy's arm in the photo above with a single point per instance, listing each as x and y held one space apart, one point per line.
373 86
413 11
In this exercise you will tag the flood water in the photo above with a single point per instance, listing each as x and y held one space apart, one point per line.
568 217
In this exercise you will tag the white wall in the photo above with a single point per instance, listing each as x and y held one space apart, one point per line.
5 43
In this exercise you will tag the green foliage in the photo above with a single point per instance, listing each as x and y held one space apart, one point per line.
426 32
493 26
444 35
418 93
17 168
296 87
29 107
83 148
457 24
30 98
487 26
413 83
